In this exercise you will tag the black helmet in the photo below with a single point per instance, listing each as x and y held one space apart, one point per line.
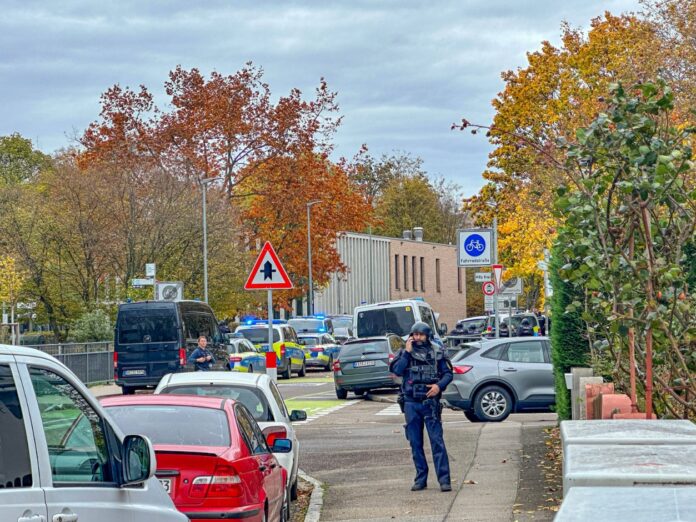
421 327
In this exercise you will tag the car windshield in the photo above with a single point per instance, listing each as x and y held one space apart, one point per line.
259 335
251 397
176 425
381 321
342 322
517 320
146 325
353 349
307 325
239 347
309 341
475 325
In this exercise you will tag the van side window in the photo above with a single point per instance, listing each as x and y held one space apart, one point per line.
198 324
15 465
74 432
427 317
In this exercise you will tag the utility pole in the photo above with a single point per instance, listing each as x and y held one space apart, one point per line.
495 262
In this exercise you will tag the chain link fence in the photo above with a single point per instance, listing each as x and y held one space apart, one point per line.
91 362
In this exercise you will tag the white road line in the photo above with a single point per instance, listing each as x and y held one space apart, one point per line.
327 411
394 409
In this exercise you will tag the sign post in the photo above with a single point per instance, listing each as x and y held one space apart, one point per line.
268 274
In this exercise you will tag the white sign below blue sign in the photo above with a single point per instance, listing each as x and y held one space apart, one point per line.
475 247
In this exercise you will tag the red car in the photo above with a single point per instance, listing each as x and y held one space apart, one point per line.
212 458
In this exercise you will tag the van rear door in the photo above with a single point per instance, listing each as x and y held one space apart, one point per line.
147 343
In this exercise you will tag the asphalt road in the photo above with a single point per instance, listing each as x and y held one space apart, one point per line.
361 455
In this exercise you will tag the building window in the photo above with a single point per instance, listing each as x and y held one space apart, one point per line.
413 274
422 274
437 275
396 272
406 273
459 279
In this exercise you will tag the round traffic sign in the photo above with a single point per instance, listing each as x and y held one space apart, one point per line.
488 288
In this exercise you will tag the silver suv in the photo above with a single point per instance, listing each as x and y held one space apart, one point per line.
496 377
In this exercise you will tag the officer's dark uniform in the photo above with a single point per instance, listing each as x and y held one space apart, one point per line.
426 364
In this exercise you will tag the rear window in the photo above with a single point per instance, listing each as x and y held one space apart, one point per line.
349 350
309 341
307 325
253 398
259 335
381 321
177 425
342 322
147 325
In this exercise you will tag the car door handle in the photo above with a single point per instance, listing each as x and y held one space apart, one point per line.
65 517
509 369
31 518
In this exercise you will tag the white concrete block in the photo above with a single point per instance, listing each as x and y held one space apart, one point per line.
628 431
640 504
629 465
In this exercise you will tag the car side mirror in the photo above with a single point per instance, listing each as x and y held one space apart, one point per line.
443 329
298 415
139 462
282 446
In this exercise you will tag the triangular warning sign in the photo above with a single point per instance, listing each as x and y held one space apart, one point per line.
268 273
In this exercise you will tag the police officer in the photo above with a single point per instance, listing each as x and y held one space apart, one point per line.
201 358
426 372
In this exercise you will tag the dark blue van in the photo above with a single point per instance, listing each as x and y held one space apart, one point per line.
154 338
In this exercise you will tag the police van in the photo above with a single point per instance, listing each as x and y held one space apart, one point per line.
395 317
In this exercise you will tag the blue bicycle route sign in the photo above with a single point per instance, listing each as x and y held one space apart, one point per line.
474 247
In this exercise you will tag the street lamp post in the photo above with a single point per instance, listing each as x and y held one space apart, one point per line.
310 292
204 182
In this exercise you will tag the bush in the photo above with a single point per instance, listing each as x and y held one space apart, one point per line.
569 348
92 326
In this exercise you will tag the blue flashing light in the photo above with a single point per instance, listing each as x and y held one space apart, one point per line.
322 330
320 316
418 299
249 321
265 321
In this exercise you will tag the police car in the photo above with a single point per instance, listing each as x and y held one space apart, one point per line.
320 349
289 353
312 324
243 356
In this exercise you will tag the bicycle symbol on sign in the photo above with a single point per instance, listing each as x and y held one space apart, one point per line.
475 245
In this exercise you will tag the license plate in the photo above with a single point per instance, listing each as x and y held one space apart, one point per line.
167 485
133 372
360 364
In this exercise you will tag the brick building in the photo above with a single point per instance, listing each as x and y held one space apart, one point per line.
399 268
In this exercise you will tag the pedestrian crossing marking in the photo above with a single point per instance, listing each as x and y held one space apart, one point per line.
394 409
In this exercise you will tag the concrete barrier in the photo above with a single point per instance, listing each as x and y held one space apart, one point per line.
610 465
646 504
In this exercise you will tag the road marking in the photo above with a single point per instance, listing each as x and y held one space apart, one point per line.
394 409
327 411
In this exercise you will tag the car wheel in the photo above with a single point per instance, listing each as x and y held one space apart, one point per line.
471 416
341 393
492 404
330 365
251 369
127 390
287 372
293 490
303 370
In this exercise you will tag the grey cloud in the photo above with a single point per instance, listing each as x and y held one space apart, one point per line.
404 69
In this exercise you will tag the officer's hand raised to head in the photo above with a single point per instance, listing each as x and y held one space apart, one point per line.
433 390
409 344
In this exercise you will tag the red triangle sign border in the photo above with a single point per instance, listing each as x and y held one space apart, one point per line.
286 284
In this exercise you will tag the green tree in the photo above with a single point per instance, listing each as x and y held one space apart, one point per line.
93 326
19 161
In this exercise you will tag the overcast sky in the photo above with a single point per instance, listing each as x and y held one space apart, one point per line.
404 69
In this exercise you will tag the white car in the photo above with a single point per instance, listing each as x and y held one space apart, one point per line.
261 397
62 457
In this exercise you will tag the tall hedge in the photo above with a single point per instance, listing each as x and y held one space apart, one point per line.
568 345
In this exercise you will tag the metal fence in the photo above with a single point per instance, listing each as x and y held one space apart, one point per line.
91 362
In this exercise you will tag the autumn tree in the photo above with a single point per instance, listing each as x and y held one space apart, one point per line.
20 162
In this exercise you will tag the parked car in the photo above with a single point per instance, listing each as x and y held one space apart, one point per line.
522 325
312 324
212 458
154 338
496 377
341 335
243 356
470 326
320 350
363 365
62 456
394 317
289 353
261 397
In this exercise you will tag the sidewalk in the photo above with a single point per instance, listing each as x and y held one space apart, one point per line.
103 390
